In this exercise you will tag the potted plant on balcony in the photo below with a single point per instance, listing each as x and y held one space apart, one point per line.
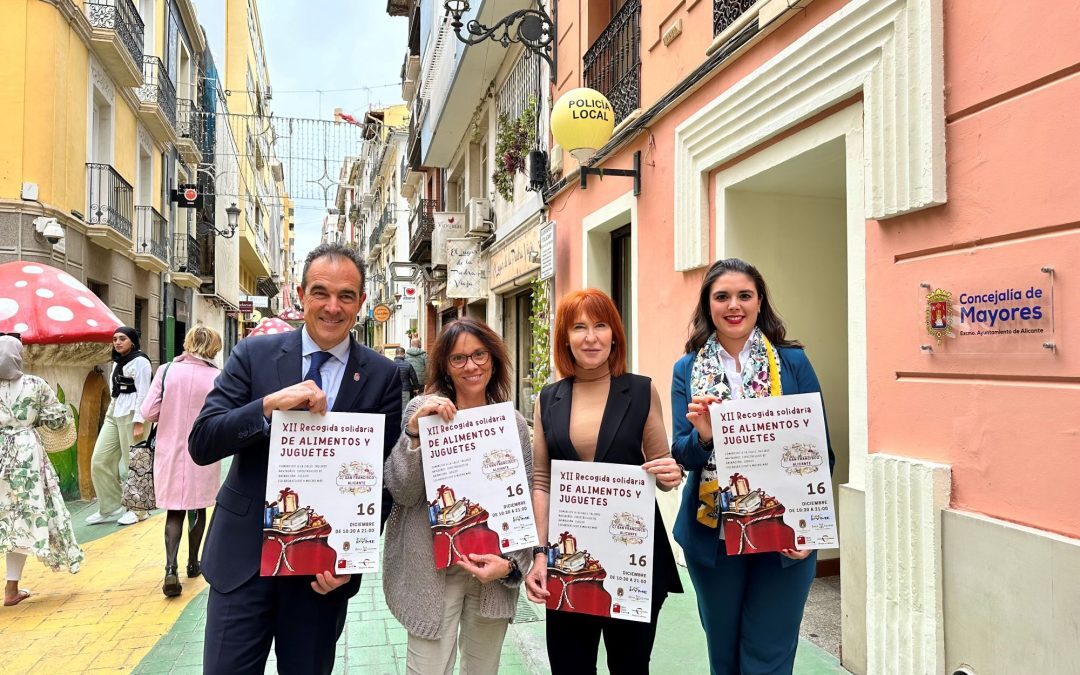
515 138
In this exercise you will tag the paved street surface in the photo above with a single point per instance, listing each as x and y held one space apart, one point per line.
111 617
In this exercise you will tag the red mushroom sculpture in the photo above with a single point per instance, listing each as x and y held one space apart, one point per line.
48 306
292 315
270 326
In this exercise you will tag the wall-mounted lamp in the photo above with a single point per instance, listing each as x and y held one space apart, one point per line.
582 122
233 215
533 28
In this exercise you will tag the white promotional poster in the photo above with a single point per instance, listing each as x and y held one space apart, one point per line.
323 493
773 486
478 493
601 527
465 276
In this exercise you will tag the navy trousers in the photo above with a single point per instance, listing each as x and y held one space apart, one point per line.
751 607
303 625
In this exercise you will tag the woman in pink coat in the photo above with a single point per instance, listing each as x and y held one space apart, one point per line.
176 397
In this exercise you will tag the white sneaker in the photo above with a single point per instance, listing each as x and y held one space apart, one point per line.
132 517
96 518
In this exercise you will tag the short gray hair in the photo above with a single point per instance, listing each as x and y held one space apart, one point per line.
334 251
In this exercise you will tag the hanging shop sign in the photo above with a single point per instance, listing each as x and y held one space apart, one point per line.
187 197
997 311
409 301
381 313
466 275
516 259
547 250
246 306
448 225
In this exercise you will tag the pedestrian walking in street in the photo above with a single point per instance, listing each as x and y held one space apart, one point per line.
410 386
417 358
467 606
599 412
750 605
320 368
33 517
130 381
181 486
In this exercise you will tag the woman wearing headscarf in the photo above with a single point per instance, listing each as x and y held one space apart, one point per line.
129 382
33 517
181 486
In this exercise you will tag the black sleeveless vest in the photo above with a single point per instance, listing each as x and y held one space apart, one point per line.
618 442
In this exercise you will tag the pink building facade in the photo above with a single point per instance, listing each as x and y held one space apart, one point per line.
865 154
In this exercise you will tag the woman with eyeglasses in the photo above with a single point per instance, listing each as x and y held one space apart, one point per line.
599 412
469 605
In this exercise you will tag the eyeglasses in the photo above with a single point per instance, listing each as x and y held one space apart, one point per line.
479 357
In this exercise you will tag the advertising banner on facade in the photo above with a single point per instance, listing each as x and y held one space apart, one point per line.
773 487
323 493
466 277
601 526
478 493
448 225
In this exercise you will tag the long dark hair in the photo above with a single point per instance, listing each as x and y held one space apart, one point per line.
701 323
439 380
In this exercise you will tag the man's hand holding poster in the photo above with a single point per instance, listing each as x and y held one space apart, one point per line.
774 488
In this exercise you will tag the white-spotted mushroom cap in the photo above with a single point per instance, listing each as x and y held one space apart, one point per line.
48 306
291 314
270 325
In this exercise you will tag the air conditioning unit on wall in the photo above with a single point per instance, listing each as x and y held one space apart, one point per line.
479 218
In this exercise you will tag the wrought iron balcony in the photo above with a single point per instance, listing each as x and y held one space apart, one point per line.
727 12
158 99
375 240
421 225
110 198
185 254
613 62
151 233
189 130
122 17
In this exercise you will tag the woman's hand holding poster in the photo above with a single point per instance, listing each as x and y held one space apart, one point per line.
478 493
323 493
601 523
774 489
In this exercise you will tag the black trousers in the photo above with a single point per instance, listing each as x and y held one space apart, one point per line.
303 625
573 642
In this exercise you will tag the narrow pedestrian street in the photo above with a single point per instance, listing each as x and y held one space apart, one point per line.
111 617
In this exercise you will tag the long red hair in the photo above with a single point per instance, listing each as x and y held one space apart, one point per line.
598 307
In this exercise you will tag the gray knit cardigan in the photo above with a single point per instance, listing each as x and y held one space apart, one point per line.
412 585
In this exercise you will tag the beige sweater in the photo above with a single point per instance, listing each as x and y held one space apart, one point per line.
412 585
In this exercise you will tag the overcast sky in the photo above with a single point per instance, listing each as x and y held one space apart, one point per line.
349 49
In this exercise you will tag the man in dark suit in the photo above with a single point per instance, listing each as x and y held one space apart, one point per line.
318 368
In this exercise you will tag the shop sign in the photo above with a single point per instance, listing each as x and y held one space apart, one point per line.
381 313
547 250
256 300
409 302
466 275
246 306
517 258
993 312
448 225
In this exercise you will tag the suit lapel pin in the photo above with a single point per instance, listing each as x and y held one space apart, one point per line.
356 377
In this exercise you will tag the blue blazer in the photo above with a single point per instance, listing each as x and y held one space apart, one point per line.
700 543
232 424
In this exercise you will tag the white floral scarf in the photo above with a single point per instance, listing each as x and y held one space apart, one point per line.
761 377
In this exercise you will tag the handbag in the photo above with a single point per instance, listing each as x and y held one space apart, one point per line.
138 493
57 440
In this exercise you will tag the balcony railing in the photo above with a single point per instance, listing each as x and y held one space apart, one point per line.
185 254
110 198
726 12
376 235
189 121
122 17
151 233
157 88
421 225
613 62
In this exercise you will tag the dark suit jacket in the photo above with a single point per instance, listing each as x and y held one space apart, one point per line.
622 429
232 424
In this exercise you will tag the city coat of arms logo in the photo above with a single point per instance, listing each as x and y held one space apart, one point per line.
939 313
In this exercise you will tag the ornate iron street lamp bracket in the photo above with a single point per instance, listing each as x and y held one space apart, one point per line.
532 28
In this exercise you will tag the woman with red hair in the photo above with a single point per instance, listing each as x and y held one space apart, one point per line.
599 412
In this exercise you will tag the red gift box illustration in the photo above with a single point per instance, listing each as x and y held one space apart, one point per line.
753 520
576 580
296 540
459 527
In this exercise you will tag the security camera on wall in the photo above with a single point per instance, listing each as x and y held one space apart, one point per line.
50 229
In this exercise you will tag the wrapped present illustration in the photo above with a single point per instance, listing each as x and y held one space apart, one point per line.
459 527
295 539
753 520
576 580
